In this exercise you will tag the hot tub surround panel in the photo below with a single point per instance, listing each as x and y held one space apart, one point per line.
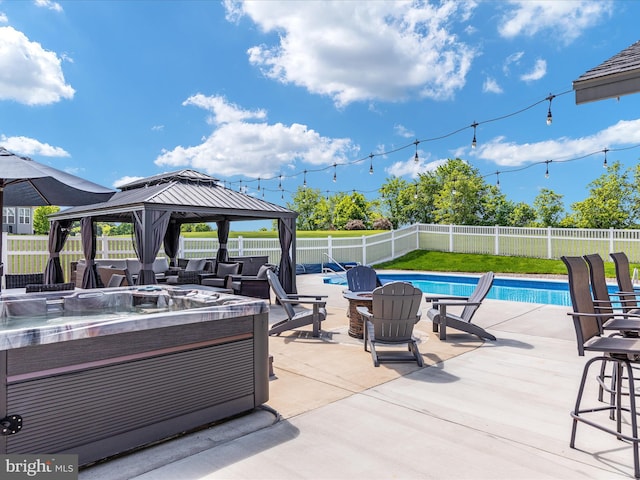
98 386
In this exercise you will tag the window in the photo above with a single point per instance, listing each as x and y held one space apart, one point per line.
9 215
24 216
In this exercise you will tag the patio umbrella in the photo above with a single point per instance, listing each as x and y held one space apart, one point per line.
25 182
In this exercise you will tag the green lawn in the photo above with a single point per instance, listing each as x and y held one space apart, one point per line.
274 234
462 262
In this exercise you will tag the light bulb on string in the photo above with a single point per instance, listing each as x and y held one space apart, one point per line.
416 159
280 182
546 173
549 116
335 176
240 187
304 183
258 183
474 142
415 195
497 179
605 158
371 164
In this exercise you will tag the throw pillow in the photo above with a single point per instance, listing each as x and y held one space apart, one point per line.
225 269
195 264
262 271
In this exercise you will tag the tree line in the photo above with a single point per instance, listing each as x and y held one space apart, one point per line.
456 193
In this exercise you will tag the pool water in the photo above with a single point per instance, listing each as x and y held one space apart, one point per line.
551 292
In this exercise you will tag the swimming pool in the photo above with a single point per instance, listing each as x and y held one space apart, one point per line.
552 292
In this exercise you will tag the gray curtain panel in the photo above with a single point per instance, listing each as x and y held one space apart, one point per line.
223 237
286 230
57 237
149 227
88 235
172 242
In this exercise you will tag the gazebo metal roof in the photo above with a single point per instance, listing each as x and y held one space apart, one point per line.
617 76
190 196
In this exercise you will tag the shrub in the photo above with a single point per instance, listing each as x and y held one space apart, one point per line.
355 225
382 224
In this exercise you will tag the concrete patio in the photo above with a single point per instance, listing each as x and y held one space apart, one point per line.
494 410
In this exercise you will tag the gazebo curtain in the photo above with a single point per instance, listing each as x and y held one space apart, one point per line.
286 272
57 237
88 235
172 242
149 228
223 237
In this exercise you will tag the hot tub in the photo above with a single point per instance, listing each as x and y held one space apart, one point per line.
100 372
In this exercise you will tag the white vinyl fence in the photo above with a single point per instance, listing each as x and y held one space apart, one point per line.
28 253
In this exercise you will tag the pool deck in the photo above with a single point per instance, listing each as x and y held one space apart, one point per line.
476 410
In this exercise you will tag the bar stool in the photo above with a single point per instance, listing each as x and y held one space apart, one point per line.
623 352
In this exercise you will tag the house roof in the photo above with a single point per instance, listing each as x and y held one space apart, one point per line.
615 77
190 196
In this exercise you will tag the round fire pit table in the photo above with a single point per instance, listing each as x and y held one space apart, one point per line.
357 299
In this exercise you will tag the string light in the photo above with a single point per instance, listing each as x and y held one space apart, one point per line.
415 195
415 158
259 185
240 187
304 184
473 142
549 116
335 176
498 179
371 164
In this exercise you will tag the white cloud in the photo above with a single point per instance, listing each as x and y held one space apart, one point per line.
510 154
514 58
403 131
362 51
491 86
55 6
29 146
4 18
565 20
410 168
30 74
238 147
157 128
223 111
124 180
538 71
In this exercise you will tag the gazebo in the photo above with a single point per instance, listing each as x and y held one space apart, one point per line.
615 77
157 206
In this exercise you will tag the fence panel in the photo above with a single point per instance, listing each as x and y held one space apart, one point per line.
29 254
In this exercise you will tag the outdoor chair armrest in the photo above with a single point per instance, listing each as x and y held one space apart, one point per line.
364 311
609 315
299 297
432 298
453 303
296 300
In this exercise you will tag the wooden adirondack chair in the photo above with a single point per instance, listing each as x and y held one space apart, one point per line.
442 319
362 279
294 320
394 312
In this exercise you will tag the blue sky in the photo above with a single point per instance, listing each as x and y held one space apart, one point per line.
118 90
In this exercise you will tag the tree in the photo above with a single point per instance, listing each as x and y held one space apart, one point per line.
461 189
549 209
352 207
306 202
41 223
496 209
522 215
394 204
611 202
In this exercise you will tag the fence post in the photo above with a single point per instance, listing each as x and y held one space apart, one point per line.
496 241
450 238
393 243
364 250
5 253
549 242
330 247
240 246
611 240
181 247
